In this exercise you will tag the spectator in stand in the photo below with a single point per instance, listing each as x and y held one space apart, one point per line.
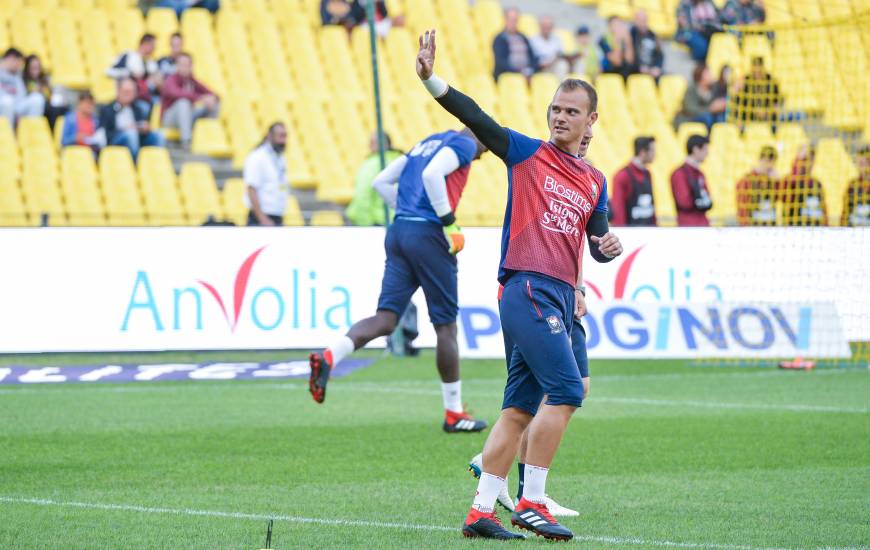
691 196
856 208
697 20
138 65
125 122
185 99
648 53
180 5
36 80
166 65
632 195
15 100
347 13
743 12
80 125
367 206
725 84
617 47
512 50
547 47
700 104
802 195
757 191
586 61
265 176
383 21
759 99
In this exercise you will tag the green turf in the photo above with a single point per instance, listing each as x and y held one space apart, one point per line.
661 453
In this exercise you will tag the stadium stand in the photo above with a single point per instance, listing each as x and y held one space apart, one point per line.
270 60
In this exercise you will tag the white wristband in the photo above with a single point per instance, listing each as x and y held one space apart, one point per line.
436 86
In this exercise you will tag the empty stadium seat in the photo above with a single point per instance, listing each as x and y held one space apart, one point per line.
120 187
209 139
200 193
157 182
293 214
79 182
233 200
329 218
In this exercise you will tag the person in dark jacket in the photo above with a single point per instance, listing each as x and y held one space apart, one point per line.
125 122
512 49
632 196
689 186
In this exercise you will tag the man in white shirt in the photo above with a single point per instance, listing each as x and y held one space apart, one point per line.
546 45
265 176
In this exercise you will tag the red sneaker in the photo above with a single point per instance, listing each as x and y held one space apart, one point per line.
486 526
462 422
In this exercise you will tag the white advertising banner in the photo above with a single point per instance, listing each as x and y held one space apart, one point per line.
674 293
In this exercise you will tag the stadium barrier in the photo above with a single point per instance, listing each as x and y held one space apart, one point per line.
676 292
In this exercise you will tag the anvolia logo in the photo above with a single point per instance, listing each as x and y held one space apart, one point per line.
289 300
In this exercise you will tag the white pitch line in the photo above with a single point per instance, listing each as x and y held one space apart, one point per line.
357 523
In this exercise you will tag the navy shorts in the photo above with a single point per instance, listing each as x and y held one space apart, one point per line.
418 256
534 309
578 344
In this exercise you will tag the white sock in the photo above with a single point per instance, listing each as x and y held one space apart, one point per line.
535 483
452 394
341 349
488 489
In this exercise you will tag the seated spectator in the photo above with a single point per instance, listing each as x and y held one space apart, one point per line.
743 12
80 125
15 100
546 46
725 84
166 65
856 209
632 196
757 191
691 196
125 122
759 99
648 54
36 80
699 103
802 195
180 5
138 65
512 50
347 13
697 20
265 176
617 47
185 99
367 207
586 61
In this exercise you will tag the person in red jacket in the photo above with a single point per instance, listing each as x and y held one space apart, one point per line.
632 199
802 195
185 99
689 186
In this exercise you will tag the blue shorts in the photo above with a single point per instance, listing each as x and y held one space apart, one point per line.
578 344
534 309
418 256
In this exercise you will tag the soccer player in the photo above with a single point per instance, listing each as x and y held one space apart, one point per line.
757 191
553 197
423 187
802 195
578 344
689 186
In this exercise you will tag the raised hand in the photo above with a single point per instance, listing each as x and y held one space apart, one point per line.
426 55
608 244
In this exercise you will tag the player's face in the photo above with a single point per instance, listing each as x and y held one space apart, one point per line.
570 118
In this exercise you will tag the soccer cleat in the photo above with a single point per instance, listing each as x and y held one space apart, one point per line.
504 498
462 422
486 526
535 517
557 509
321 366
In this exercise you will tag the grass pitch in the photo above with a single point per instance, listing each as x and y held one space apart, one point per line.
662 454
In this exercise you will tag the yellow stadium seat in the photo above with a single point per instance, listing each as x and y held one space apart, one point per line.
12 210
161 22
834 168
157 183
115 5
672 89
327 218
755 136
724 50
756 45
292 213
687 129
34 132
78 5
209 139
120 188
78 180
39 183
200 193
5 41
67 61
233 200
129 26
9 163
644 102
488 19
26 33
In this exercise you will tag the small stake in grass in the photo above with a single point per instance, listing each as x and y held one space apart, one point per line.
268 536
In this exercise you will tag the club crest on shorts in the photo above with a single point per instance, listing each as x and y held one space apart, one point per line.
555 324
